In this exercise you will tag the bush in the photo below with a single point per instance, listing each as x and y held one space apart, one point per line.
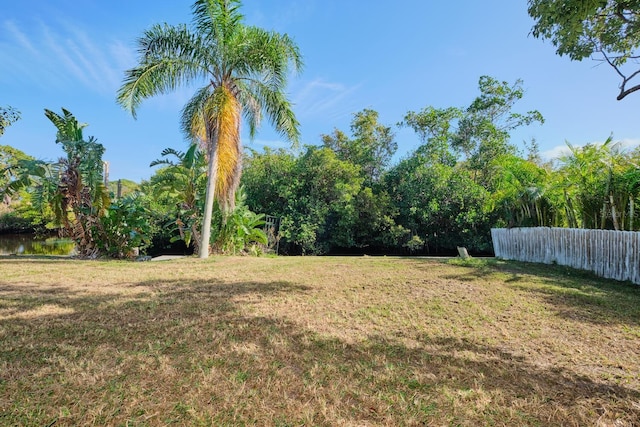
124 227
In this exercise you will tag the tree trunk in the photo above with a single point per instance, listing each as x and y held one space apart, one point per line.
614 215
209 197
631 212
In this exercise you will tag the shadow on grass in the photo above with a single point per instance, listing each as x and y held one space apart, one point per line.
575 294
189 353
581 295
45 314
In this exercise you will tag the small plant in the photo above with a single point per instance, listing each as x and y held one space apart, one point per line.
414 244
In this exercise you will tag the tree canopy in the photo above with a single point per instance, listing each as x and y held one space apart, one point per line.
608 30
371 147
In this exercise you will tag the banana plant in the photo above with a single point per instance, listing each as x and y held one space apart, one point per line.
183 180
72 187
238 231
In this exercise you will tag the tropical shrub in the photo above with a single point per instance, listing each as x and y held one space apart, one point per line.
238 231
124 229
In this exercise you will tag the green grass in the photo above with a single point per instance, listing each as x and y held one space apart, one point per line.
315 341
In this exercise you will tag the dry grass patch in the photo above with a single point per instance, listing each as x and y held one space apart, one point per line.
315 341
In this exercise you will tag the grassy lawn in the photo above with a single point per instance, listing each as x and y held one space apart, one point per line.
354 341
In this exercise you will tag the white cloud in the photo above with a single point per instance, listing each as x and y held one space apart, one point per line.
555 153
629 143
103 70
123 56
58 46
19 37
60 56
319 98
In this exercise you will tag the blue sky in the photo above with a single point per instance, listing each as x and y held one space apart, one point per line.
392 57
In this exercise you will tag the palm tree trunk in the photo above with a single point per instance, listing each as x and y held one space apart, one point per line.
631 212
210 196
614 215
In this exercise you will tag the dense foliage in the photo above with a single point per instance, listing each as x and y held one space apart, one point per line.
344 195
71 193
463 179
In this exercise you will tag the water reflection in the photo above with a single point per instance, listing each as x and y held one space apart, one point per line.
26 244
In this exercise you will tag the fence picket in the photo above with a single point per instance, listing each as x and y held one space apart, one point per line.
608 253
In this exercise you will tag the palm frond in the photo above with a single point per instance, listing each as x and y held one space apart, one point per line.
167 152
192 120
168 58
252 107
192 157
217 21
278 110
266 56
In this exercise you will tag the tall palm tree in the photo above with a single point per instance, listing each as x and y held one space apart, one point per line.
245 70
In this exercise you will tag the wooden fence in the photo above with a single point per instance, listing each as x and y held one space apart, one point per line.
608 253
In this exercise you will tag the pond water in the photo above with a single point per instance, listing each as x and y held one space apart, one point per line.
27 244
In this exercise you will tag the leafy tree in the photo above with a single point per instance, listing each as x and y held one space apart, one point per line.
8 116
444 202
525 194
72 188
482 133
321 211
161 209
609 29
10 158
440 205
245 69
434 126
371 148
268 180
11 202
375 224
315 195
21 176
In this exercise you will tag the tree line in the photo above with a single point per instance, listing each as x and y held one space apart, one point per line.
343 194
346 194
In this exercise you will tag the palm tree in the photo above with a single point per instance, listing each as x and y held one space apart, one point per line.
245 70
595 174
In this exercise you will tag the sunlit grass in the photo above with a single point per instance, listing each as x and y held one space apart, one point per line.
315 341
